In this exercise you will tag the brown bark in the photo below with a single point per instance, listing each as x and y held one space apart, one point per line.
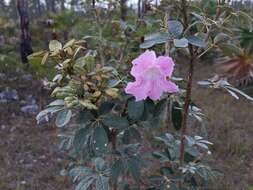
38 7
50 4
93 4
189 86
25 37
123 9
139 8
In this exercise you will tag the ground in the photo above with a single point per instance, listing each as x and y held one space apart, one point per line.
230 128
30 159
29 155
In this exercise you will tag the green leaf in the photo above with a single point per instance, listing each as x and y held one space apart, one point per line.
134 168
80 138
126 137
196 41
199 17
58 102
84 117
176 115
156 38
63 117
230 49
44 59
205 83
221 38
246 39
87 104
105 107
55 45
85 183
86 62
135 109
102 183
116 122
160 107
77 172
100 140
175 28
134 134
100 164
50 110
162 157
69 43
129 134
239 92
117 169
181 43
113 83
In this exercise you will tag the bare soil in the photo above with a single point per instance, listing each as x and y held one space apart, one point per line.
29 155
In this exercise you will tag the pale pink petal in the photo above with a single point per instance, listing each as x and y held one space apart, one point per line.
170 86
139 89
141 63
156 91
166 65
159 86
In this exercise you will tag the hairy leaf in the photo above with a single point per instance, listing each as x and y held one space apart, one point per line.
63 117
175 28
135 109
116 122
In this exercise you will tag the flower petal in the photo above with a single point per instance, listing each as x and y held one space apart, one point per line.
139 89
166 65
159 86
156 91
141 63
170 86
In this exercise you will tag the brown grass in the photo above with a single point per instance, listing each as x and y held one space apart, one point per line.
230 128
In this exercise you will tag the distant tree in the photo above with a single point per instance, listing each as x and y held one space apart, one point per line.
2 7
139 8
38 7
2 4
25 37
51 6
123 9
62 3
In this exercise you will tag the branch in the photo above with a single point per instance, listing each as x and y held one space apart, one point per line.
100 36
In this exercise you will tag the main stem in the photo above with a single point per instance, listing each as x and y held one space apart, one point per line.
114 147
186 110
188 89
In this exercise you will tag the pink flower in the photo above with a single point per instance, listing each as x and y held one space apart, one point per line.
151 74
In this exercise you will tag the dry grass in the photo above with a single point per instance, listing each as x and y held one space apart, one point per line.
230 127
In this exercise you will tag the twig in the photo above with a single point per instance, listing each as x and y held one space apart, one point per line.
100 36
166 19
